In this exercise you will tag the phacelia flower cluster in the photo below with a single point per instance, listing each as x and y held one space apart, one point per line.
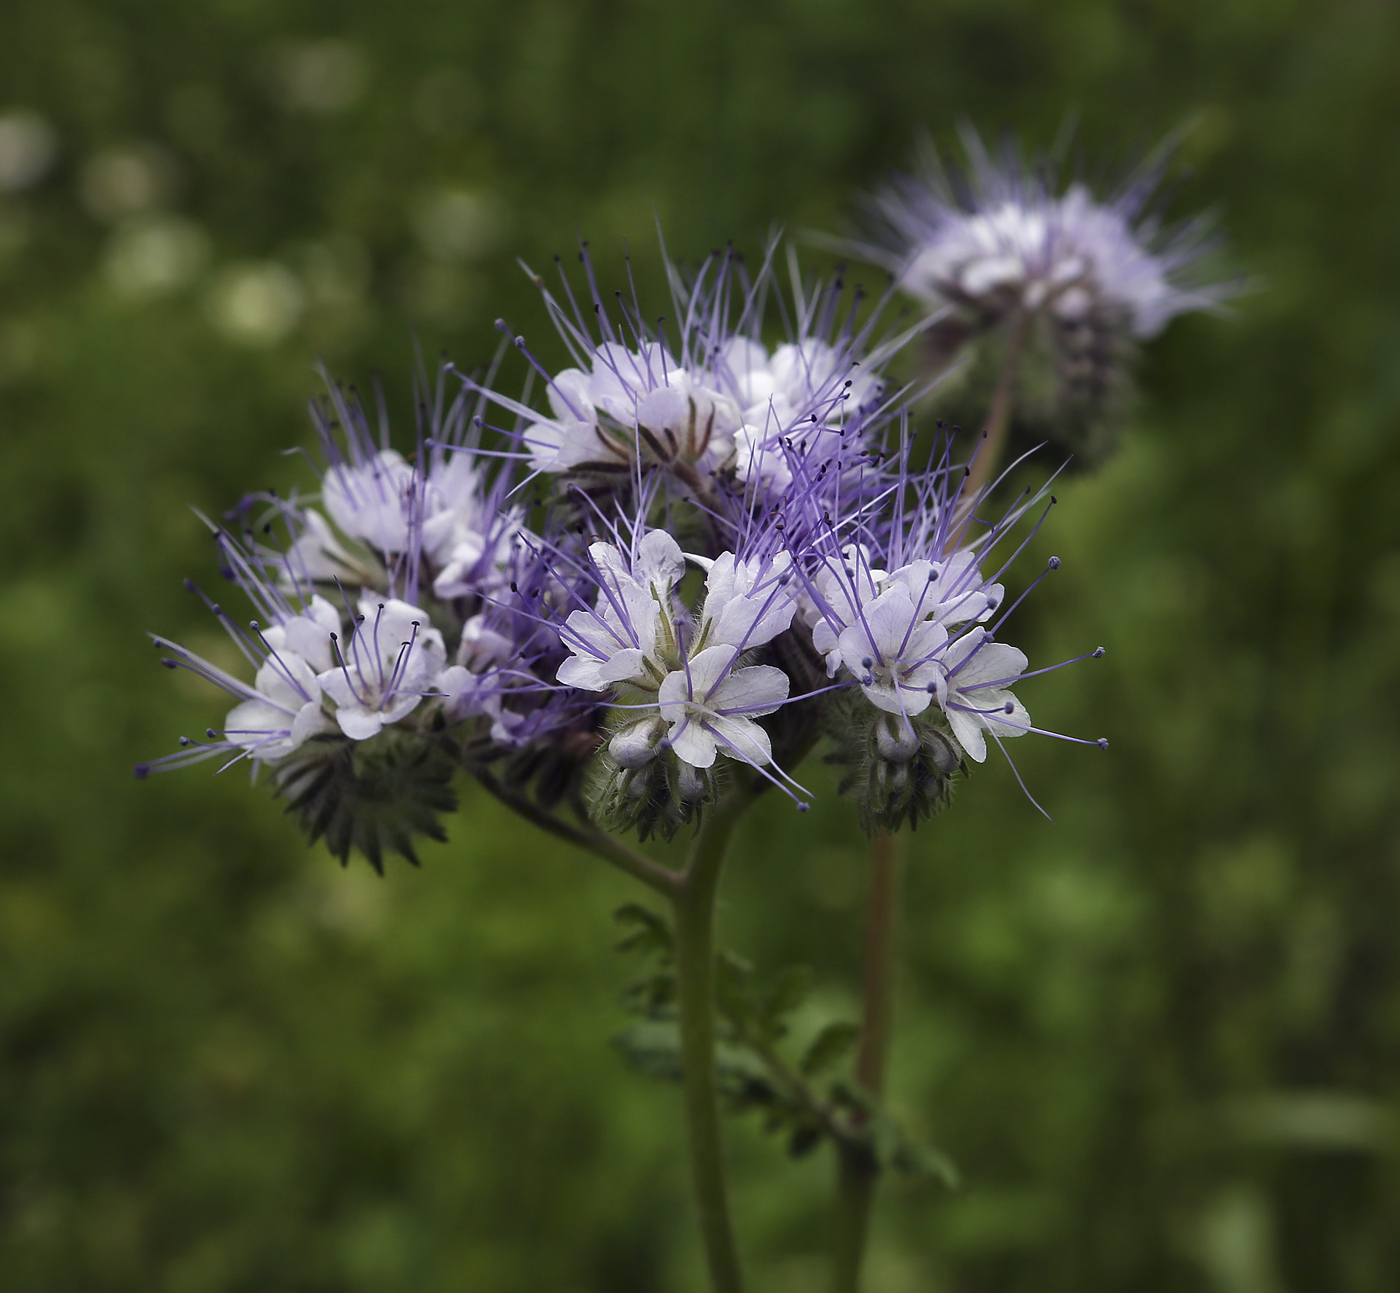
1065 280
690 560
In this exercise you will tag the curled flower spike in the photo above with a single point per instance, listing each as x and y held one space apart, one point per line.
1001 237
706 397
1046 289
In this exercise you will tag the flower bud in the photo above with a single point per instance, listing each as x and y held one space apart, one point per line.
902 768
895 739
636 745
657 793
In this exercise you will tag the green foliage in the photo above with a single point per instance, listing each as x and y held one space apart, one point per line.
807 1103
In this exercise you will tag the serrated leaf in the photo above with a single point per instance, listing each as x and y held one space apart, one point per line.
894 1148
647 932
654 1046
788 990
914 1159
734 991
829 1047
651 996
804 1139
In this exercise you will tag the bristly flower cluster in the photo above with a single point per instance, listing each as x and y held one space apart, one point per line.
1071 280
685 564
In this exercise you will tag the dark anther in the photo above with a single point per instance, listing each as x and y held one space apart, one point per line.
1098 653
1053 563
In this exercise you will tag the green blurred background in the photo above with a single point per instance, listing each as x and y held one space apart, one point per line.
1161 1036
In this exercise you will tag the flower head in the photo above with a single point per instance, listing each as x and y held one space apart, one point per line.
685 689
705 398
444 522
1002 238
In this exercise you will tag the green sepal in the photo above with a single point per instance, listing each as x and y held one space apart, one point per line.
656 799
902 770
370 797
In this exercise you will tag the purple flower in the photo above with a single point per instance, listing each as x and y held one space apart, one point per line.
711 707
284 706
705 397
383 671
1002 238
661 662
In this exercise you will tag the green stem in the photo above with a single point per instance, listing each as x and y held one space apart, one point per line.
695 1002
988 458
587 836
858 1173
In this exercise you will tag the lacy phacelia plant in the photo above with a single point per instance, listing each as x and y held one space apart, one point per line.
635 605
1060 280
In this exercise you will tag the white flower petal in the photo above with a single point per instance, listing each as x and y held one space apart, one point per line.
692 743
359 724
754 690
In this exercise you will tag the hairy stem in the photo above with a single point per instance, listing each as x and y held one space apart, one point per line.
587 836
695 1001
988 457
857 1172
